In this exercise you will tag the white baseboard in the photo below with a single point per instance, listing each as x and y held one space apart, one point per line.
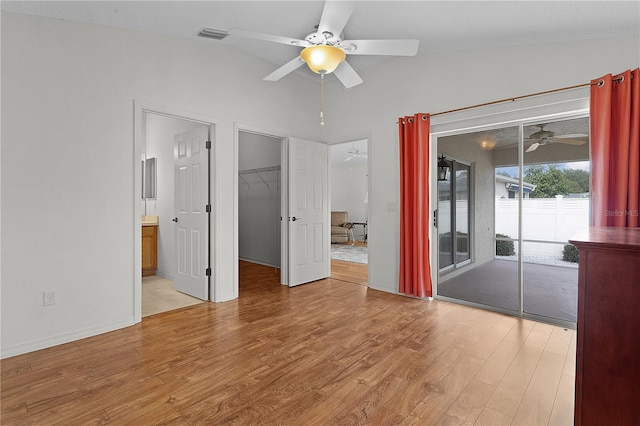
34 345
259 262
384 288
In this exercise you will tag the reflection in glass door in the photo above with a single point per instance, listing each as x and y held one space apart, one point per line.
454 216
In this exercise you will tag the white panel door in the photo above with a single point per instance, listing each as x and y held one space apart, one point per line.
191 186
308 212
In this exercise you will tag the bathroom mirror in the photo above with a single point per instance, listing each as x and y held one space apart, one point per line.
150 178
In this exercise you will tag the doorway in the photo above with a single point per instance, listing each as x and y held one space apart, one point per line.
529 192
259 206
162 136
349 183
277 175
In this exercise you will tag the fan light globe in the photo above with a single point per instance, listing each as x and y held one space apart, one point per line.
323 59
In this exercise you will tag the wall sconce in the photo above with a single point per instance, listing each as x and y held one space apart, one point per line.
443 168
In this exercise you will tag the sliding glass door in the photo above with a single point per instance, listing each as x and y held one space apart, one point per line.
526 192
556 161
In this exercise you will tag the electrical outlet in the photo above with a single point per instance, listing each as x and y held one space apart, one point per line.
48 298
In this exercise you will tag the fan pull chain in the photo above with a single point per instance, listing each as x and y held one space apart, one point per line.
322 99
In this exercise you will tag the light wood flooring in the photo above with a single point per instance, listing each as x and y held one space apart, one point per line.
328 352
352 272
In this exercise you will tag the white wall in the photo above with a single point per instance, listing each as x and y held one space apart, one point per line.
160 132
68 201
68 162
442 81
259 199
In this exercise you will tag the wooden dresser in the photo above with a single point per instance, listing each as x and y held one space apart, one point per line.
608 327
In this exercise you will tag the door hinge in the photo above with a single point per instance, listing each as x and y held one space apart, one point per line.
207 144
208 208
208 272
435 218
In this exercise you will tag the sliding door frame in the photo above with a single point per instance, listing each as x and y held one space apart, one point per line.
574 108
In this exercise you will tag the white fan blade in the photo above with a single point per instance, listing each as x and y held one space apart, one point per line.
335 16
269 37
571 141
533 147
572 136
290 66
347 75
348 159
407 47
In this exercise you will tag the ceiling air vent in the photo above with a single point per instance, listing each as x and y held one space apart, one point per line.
213 33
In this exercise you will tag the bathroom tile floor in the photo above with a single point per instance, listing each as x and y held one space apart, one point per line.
159 295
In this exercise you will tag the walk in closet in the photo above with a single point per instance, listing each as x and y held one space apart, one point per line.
259 189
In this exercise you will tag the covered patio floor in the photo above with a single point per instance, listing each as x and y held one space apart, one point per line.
549 291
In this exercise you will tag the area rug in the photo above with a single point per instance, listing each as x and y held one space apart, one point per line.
348 253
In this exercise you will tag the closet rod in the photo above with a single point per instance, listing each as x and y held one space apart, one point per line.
259 170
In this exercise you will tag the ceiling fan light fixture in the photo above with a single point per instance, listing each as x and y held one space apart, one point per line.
487 145
323 59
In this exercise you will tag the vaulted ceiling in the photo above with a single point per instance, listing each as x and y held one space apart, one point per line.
438 25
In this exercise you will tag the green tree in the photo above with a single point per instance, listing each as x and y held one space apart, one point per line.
549 180
579 180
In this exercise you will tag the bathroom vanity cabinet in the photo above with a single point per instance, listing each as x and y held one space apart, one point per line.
149 249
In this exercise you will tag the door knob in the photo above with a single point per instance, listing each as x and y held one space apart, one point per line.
295 218
175 219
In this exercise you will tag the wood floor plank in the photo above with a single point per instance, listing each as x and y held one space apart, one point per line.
351 272
537 402
563 405
490 341
328 352
469 404
490 417
445 392
508 395
498 362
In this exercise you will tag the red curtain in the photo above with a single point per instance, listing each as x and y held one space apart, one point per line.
415 269
615 149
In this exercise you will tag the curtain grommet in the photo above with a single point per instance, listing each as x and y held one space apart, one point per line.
600 83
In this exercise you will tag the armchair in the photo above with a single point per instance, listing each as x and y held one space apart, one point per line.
341 228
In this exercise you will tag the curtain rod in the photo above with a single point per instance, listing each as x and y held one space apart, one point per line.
515 98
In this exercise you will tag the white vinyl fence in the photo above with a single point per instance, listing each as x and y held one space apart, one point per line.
547 219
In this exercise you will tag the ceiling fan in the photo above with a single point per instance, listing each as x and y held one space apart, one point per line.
543 137
325 49
354 153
